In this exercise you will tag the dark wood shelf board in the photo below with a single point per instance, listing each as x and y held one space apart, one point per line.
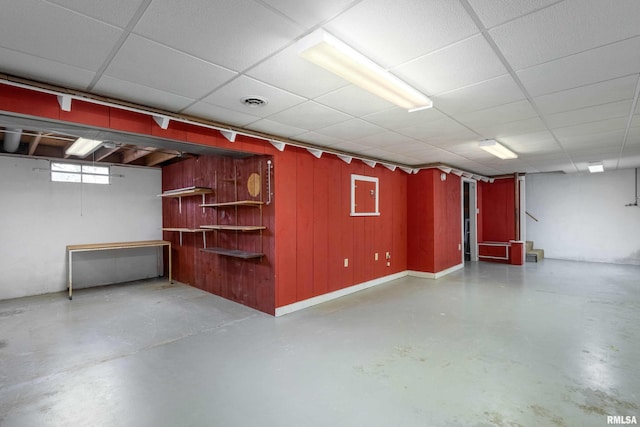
233 253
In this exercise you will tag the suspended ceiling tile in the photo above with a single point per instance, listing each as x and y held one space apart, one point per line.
592 128
469 149
586 96
318 139
397 118
44 70
355 101
555 166
310 115
604 140
400 158
231 33
444 129
146 62
309 13
512 112
219 114
594 154
377 153
231 95
351 129
120 89
460 64
536 142
351 147
590 114
274 128
518 127
584 68
633 139
384 140
288 71
426 26
495 12
54 33
551 32
116 12
490 93
410 147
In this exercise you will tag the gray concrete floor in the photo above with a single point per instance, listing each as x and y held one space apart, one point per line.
552 344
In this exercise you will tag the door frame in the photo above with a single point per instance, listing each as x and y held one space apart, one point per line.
473 217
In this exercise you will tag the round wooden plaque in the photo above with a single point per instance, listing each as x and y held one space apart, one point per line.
253 184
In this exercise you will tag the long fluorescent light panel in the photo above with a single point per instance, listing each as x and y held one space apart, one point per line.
335 56
498 150
82 147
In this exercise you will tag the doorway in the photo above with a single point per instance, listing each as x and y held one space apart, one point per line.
469 221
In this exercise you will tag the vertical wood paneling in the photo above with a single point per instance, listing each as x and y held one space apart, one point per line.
337 202
498 218
304 225
285 200
250 282
321 228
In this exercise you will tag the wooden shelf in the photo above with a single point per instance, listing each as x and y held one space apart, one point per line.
186 192
188 230
184 230
233 253
255 203
234 227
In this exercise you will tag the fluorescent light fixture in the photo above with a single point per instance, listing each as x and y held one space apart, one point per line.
596 167
494 147
330 53
82 147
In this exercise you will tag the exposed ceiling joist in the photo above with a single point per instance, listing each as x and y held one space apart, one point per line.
33 145
158 157
133 154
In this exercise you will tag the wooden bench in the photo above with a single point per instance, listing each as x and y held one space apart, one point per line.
71 249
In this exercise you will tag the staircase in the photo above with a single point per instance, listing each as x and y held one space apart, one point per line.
533 255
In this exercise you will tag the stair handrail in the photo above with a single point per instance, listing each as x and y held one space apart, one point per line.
531 216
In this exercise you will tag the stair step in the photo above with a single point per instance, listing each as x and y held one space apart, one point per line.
529 245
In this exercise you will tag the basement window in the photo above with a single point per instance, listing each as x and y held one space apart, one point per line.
87 174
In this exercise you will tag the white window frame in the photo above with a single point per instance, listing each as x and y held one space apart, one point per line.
78 173
374 179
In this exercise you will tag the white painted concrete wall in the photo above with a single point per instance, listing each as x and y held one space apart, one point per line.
583 216
39 218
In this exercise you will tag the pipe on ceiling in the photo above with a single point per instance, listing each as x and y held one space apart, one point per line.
12 139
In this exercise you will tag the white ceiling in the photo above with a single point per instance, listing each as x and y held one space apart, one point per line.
555 81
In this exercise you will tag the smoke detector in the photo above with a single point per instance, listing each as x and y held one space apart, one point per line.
254 101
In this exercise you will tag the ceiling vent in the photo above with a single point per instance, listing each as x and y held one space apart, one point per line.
254 101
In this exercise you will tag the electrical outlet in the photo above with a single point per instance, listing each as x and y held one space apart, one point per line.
376 256
346 262
388 255
388 264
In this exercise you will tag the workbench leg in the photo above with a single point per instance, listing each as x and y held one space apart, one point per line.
70 277
170 263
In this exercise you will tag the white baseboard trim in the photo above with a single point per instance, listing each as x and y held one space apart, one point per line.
300 305
437 275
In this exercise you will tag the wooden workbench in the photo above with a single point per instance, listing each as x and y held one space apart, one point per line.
71 249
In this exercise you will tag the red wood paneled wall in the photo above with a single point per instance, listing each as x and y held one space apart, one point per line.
310 231
250 282
435 221
315 232
497 221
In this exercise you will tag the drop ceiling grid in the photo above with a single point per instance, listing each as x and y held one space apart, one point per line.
71 38
495 69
